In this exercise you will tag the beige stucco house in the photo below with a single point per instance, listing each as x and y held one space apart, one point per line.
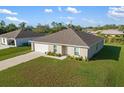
18 37
69 42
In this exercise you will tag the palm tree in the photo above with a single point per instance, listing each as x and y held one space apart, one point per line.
2 24
22 25
2 27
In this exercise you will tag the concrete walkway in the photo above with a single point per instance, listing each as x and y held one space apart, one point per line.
18 60
60 58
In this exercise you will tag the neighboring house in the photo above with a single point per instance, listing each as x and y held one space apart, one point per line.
69 42
94 32
112 32
18 37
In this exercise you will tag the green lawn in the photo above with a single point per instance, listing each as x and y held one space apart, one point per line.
12 52
105 69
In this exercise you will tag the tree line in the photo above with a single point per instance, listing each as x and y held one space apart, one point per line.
106 27
53 27
4 28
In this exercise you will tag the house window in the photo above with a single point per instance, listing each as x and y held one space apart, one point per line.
97 45
4 40
76 51
55 48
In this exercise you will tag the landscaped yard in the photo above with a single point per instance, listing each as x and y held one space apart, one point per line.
12 52
105 69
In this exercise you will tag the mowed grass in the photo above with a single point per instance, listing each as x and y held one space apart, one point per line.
12 52
104 69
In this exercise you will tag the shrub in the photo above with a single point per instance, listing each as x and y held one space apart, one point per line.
51 53
76 58
59 55
25 44
86 59
54 54
79 58
71 57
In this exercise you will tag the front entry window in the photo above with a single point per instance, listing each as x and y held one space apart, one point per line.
76 51
97 46
54 48
4 41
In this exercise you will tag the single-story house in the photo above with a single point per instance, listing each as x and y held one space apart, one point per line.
94 32
112 32
18 37
69 42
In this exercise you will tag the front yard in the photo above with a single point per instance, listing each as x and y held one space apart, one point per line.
105 69
12 52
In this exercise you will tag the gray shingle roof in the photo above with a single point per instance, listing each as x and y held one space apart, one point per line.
71 37
21 34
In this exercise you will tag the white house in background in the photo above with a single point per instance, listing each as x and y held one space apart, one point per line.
18 37
69 42
112 32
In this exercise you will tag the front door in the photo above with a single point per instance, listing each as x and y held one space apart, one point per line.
64 50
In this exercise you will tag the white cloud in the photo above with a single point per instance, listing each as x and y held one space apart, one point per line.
48 10
68 22
61 17
15 19
73 10
89 20
114 18
116 12
68 17
59 9
5 11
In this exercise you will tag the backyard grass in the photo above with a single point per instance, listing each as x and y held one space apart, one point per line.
12 52
104 69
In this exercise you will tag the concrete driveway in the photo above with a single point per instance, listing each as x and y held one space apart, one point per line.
18 60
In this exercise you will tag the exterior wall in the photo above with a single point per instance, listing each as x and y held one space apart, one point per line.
50 48
1 41
83 52
70 51
32 46
20 41
93 49
6 41
59 49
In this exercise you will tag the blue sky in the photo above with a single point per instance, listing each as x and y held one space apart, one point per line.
80 15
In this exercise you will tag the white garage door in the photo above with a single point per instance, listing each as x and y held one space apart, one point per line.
41 48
